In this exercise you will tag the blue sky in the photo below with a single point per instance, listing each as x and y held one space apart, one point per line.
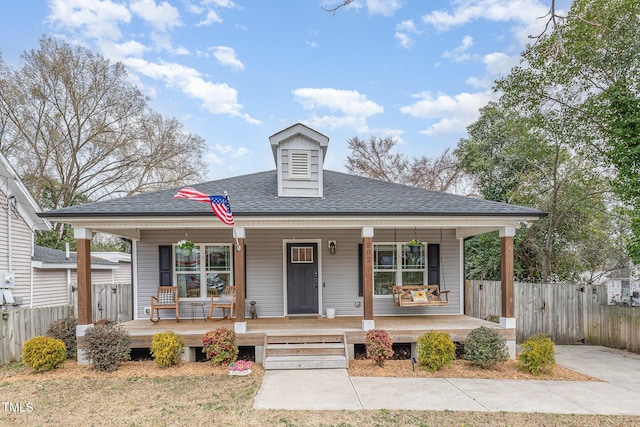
236 72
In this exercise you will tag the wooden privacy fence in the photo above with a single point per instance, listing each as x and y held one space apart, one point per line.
22 324
569 314
110 301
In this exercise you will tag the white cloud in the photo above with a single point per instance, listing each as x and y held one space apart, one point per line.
223 149
161 17
93 18
350 102
524 11
384 7
119 51
452 113
459 54
499 64
217 98
211 18
240 153
349 109
404 30
213 159
227 56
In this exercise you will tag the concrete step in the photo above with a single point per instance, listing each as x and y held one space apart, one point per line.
305 351
301 349
306 362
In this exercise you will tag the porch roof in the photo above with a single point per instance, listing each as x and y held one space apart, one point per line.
256 195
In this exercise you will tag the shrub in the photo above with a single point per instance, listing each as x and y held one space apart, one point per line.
166 348
435 350
538 354
485 347
106 346
220 346
43 353
378 345
65 330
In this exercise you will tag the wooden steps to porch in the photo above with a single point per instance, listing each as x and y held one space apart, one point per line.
305 351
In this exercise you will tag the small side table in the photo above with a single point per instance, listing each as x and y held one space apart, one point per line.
194 310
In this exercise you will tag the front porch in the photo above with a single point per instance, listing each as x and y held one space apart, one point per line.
402 329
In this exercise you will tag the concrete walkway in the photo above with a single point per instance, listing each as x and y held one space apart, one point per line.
333 389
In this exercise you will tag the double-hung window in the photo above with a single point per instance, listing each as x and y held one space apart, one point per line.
397 264
206 272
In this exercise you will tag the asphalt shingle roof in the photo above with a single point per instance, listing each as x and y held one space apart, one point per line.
56 256
257 195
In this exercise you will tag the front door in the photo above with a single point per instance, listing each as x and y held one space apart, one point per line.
302 278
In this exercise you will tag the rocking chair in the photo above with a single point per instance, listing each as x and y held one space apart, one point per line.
167 299
226 301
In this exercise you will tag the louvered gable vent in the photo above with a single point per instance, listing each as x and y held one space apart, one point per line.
300 165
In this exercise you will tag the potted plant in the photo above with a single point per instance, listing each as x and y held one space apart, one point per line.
414 246
185 247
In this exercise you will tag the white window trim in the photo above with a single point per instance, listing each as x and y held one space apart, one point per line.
294 173
203 270
399 269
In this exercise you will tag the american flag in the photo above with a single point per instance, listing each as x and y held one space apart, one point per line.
219 204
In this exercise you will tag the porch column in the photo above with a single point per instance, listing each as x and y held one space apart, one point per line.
240 325
83 262
507 319
367 278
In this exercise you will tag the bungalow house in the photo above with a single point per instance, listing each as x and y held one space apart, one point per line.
305 242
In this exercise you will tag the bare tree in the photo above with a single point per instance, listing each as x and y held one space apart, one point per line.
374 159
77 130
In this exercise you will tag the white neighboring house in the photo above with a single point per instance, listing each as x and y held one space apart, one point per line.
33 276
18 223
51 267
623 286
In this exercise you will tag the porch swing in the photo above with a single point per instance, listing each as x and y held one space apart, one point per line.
422 295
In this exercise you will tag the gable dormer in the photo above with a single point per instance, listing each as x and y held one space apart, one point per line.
299 152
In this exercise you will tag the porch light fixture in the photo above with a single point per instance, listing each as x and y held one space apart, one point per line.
332 247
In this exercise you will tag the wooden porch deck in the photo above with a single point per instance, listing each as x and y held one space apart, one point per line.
402 329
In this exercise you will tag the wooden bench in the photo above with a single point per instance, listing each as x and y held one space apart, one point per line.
419 295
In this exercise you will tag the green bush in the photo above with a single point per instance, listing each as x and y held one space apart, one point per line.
485 347
538 354
166 348
65 330
43 353
220 346
106 346
435 350
378 345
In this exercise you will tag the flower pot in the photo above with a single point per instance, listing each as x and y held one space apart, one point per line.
415 249
185 251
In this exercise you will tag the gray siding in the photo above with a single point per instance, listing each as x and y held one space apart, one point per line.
22 243
311 187
148 267
51 288
123 273
339 272
450 278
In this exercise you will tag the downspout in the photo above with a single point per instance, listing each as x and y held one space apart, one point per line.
11 205
69 288
33 245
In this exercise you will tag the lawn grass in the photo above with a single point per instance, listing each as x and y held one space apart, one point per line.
220 400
